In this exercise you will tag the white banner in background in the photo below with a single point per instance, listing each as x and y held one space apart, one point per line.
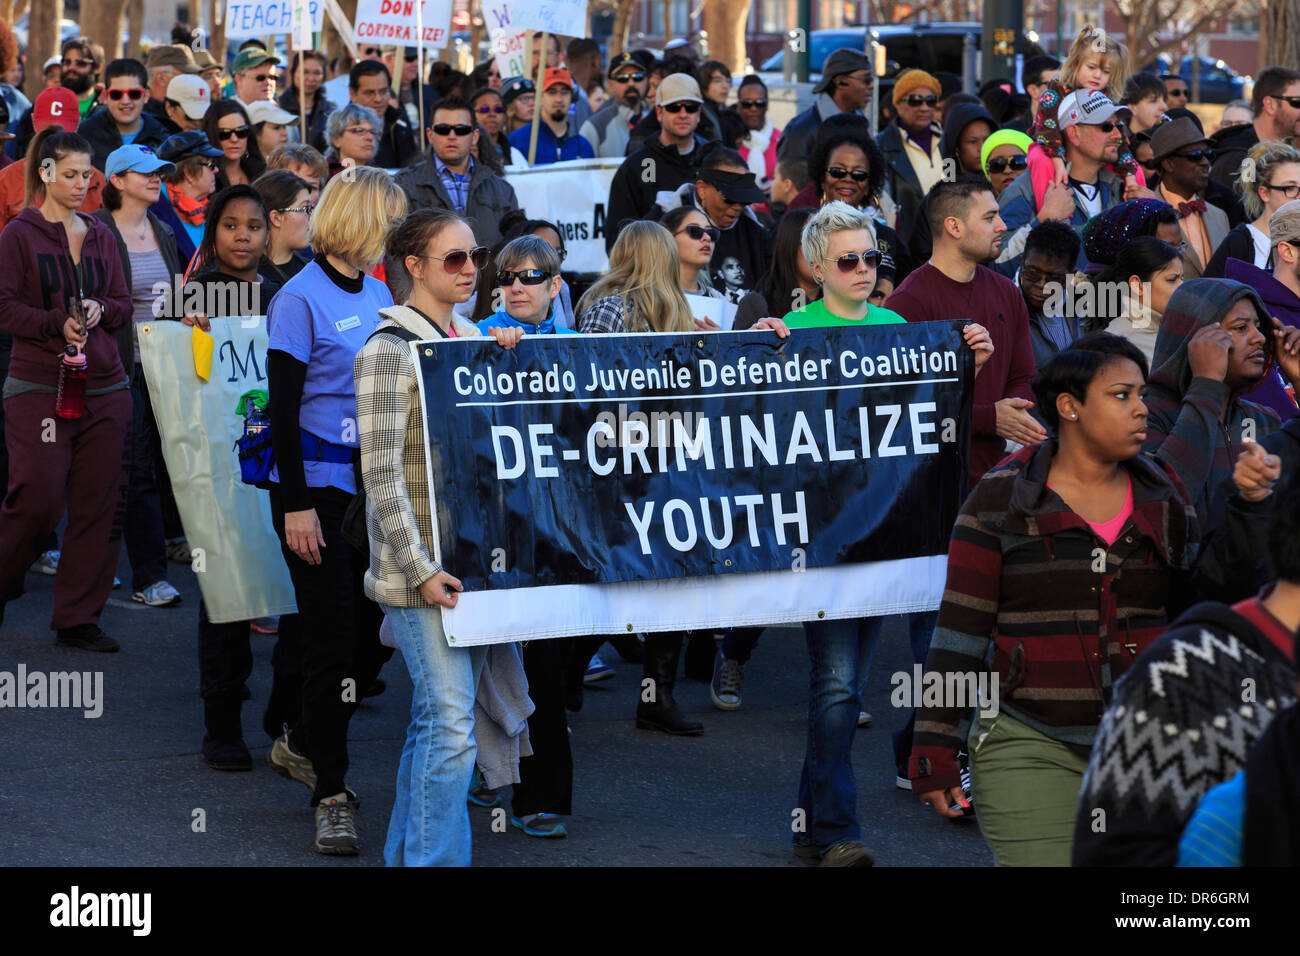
392 22
240 569
259 18
573 195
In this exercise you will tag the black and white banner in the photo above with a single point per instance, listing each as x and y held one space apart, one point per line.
604 484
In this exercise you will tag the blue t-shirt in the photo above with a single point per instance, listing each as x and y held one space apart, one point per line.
1214 836
129 138
321 325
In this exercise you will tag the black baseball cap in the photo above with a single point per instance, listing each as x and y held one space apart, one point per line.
839 63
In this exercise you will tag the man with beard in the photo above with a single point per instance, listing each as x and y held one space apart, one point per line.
1182 154
557 140
609 127
79 72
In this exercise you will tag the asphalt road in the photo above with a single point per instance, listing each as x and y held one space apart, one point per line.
129 787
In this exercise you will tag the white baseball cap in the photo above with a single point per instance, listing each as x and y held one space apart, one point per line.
1088 107
192 93
265 111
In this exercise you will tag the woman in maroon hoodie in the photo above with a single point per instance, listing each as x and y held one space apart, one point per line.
53 258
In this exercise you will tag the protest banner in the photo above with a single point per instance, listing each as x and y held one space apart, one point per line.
259 18
507 38
236 553
571 194
393 22
563 17
603 484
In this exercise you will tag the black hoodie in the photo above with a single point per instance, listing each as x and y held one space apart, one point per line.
959 117
652 169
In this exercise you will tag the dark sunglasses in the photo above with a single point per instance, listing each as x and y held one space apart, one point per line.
699 232
1292 101
492 109
83 64
1107 127
455 261
849 261
916 99
371 51
209 164
628 77
753 104
1197 155
411 57
1000 164
446 129
1169 93
134 94
679 106
838 172
234 132
526 276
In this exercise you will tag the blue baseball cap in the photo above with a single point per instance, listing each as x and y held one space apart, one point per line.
133 158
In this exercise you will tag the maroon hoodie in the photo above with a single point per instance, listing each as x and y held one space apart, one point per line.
36 281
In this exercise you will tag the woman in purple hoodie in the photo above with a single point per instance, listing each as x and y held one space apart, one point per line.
55 259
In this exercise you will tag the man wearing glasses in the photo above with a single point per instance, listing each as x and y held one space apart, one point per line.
1275 100
845 87
1182 155
78 72
253 73
557 138
609 128
166 62
911 146
123 121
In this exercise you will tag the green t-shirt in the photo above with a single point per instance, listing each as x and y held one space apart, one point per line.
815 315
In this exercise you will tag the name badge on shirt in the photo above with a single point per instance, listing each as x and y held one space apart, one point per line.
349 323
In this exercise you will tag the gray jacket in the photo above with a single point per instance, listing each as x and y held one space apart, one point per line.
490 196
608 131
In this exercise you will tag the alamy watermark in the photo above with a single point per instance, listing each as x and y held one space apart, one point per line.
79 690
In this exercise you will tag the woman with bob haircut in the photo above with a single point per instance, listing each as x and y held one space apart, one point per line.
350 143
316 324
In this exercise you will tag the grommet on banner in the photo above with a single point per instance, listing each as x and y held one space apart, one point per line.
821 614
451 639
629 627
727 562
428 353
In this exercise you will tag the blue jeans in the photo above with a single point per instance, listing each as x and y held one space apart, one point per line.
840 654
430 822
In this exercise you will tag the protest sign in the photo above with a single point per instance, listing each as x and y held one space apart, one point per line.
507 38
236 553
259 18
392 22
662 482
563 17
573 195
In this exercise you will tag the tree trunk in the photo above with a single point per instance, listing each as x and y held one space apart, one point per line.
217 39
135 30
725 22
331 42
7 11
20 7
103 21
622 22
42 43
1280 25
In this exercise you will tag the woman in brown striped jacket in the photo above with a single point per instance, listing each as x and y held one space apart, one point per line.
1067 560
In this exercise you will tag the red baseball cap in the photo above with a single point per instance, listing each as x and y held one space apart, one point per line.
57 105
556 75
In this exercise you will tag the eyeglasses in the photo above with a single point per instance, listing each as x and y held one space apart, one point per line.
82 64
1198 155
446 129
362 131
233 132
679 106
209 164
134 94
492 109
526 276
838 172
699 232
849 261
917 99
371 51
305 210
628 77
1000 164
1030 274
753 104
1292 101
455 261
1290 192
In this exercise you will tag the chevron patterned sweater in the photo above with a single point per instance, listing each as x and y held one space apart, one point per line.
1181 721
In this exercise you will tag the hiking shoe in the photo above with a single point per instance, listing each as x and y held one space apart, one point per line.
290 765
178 551
728 680
87 637
47 564
808 852
158 594
849 853
597 670
338 825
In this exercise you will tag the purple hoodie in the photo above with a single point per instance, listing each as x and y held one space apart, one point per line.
36 282
1275 391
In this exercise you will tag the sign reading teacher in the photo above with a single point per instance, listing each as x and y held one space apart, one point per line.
259 18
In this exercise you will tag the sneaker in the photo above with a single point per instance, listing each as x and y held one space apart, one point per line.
849 853
178 551
864 719
290 765
47 564
728 680
597 671
87 637
338 825
900 779
963 764
158 594
808 852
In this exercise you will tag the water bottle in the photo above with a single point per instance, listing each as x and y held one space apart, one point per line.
70 400
255 419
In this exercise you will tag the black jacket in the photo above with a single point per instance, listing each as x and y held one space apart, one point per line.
1230 147
901 179
1237 244
397 147
652 169
155 108
99 130
920 242
797 137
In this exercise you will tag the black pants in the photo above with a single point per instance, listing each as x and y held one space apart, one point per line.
341 653
546 778
144 519
226 662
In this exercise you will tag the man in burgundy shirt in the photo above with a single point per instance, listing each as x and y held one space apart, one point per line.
954 284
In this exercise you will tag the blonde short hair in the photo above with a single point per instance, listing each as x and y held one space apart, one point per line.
1257 169
356 210
836 216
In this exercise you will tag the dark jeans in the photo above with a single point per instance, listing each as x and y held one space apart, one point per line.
546 778
738 643
340 639
920 630
226 662
145 547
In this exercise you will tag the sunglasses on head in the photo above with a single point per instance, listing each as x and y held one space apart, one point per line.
679 106
133 94
1000 164
446 129
233 132
526 276
699 232
849 261
838 172
492 109
1197 155
753 104
916 99
455 261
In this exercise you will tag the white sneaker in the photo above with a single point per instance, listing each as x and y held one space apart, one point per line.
47 564
158 594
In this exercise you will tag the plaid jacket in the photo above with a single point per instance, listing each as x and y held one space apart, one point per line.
390 420
1063 613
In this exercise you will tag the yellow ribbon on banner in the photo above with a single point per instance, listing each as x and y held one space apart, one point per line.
203 344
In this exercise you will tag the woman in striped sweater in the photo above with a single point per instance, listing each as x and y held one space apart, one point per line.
1069 558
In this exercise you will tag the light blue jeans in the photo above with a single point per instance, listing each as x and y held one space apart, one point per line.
430 822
